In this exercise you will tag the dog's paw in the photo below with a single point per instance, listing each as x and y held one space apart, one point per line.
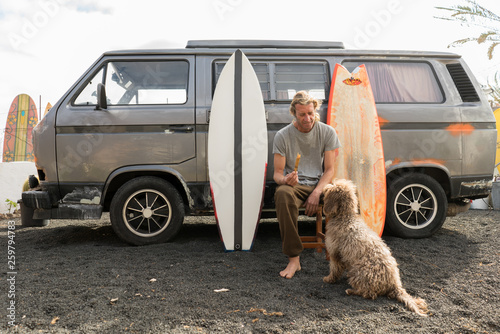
370 295
329 279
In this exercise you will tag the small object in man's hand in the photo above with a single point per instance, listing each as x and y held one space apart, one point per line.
297 162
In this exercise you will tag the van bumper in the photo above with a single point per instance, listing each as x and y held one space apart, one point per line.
41 203
37 199
471 187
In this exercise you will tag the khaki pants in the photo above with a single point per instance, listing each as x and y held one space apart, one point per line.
288 200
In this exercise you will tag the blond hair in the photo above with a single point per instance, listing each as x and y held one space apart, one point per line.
304 99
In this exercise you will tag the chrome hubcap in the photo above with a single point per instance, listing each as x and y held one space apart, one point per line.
415 206
147 213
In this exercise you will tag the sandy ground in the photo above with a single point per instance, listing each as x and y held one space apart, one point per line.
78 277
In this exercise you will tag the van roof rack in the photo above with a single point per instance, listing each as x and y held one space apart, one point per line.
267 44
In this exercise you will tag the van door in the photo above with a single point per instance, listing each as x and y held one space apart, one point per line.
149 119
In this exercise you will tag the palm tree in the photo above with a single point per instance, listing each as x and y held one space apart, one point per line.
474 14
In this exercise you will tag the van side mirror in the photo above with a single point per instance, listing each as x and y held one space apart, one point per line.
102 103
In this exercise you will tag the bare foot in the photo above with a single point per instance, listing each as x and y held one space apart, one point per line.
291 268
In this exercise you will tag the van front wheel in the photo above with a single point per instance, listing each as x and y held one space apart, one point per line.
416 206
146 210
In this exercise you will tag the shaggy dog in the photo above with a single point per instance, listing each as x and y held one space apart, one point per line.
353 247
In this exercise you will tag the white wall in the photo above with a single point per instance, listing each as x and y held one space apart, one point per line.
12 177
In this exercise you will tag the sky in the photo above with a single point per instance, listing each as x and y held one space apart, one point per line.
46 45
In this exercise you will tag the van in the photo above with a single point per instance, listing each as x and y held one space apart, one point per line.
130 136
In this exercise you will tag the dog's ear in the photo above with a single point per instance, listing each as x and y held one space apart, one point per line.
329 203
330 209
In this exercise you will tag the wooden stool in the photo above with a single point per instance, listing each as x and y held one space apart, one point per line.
317 241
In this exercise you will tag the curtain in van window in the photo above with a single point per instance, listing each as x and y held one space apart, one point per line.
394 82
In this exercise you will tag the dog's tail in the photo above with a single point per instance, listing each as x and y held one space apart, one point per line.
417 305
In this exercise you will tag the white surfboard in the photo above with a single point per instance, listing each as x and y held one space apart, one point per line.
237 153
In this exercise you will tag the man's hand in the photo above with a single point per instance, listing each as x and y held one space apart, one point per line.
291 179
312 202
279 167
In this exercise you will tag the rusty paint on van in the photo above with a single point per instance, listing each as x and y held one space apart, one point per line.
460 128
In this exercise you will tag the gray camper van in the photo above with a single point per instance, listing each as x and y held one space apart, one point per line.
130 136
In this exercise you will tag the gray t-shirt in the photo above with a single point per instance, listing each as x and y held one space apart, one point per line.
312 147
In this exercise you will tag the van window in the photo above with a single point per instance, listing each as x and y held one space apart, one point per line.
263 76
291 78
280 81
88 96
401 82
147 82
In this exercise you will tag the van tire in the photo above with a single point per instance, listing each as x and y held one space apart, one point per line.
146 210
416 206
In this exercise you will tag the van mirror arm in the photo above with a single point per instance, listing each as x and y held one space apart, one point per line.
102 103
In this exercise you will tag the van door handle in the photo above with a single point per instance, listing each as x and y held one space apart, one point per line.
182 128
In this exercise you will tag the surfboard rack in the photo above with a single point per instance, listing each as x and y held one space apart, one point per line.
269 44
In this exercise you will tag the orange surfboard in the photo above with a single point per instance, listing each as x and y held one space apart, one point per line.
47 108
21 120
353 114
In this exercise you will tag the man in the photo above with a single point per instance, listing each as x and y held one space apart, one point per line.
317 143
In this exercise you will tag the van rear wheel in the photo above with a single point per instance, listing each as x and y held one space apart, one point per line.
146 210
416 206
